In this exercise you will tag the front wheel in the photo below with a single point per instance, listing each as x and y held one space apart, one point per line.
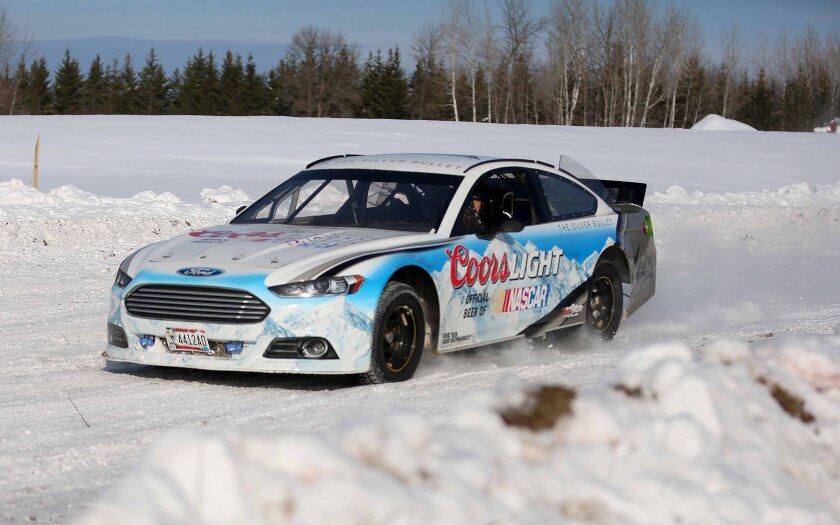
605 302
399 333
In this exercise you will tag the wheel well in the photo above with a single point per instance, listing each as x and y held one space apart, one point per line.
616 256
422 283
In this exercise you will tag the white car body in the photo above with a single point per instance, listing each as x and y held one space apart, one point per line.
476 289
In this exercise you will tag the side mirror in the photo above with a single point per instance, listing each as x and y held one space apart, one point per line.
238 211
511 226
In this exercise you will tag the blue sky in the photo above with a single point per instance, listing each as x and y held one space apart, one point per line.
369 23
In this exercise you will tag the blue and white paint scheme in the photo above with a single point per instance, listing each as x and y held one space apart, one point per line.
487 288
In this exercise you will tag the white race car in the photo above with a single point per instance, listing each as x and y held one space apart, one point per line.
358 264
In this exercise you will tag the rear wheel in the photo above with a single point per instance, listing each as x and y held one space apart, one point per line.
605 303
399 333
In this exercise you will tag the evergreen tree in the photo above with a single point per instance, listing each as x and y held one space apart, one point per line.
174 85
759 110
199 93
152 89
67 89
21 87
232 85
115 86
384 89
428 94
395 87
254 91
283 87
796 106
95 90
127 98
694 100
821 110
372 80
38 97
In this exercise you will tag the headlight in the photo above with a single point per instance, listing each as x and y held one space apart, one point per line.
320 287
122 279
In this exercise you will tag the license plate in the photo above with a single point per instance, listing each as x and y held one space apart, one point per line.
187 340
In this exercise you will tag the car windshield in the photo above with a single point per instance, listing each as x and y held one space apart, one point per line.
391 200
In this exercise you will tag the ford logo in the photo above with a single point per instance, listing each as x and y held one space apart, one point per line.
200 272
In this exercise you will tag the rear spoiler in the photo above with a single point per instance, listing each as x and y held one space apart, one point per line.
617 191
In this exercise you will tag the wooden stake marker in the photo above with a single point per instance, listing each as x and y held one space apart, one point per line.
37 153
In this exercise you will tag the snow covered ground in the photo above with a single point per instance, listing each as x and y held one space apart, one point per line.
748 234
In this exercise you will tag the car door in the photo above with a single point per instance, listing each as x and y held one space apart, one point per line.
489 284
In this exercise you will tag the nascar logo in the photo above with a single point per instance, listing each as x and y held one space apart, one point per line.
523 298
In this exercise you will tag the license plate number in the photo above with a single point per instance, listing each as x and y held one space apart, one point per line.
187 340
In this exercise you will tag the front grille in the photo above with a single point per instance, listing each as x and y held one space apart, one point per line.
195 303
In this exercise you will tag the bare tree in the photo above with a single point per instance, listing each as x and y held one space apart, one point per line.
325 71
677 35
488 55
452 38
463 37
13 43
568 42
689 43
607 62
731 57
8 37
832 58
519 32
427 47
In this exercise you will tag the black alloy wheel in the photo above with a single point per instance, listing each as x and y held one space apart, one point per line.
605 301
399 333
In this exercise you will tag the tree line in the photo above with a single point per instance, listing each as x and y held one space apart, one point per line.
626 63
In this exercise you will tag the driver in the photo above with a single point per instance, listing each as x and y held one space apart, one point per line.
477 211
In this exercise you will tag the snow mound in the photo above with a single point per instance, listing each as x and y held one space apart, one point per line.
21 201
224 195
801 194
714 122
67 216
737 435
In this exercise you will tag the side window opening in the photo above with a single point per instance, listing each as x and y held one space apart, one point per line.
482 211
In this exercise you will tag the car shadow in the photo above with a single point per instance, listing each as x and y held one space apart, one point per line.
234 379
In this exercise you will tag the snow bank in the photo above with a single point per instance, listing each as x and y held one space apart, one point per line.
22 201
224 195
714 122
67 216
739 435
801 194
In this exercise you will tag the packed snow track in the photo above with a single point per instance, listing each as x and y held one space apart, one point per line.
754 262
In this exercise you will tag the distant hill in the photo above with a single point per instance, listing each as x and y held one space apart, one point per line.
171 53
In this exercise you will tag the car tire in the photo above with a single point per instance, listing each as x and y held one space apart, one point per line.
399 334
605 302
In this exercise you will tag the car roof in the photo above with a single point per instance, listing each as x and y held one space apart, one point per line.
444 163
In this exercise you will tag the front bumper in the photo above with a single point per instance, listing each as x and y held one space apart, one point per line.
260 364
344 321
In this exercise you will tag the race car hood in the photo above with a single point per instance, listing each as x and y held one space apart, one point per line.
300 252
